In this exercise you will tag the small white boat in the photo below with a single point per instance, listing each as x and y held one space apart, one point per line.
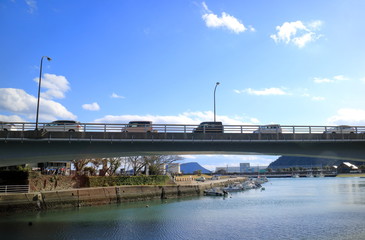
310 175
235 187
214 192
261 179
248 185
295 175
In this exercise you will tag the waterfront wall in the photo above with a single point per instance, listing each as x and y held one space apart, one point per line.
38 201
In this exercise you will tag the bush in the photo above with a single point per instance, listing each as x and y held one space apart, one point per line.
123 180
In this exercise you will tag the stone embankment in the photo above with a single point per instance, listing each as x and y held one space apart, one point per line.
38 201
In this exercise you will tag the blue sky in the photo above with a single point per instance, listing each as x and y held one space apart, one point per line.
286 62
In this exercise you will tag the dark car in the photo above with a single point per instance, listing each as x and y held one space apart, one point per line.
209 127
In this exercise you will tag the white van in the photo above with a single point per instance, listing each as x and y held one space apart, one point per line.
139 126
272 128
344 129
64 126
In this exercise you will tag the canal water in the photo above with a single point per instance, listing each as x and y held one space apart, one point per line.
291 208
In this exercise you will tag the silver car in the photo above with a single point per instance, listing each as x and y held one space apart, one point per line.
139 126
272 128
4 126
342 129
64 126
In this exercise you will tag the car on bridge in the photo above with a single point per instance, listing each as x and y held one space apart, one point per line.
209 127
139 126
4 126
271 128
63 126
342 129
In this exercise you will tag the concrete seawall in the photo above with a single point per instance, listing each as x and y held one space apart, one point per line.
74 198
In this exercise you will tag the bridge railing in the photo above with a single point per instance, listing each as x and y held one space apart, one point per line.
188 128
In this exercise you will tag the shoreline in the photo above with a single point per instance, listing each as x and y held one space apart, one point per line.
75 198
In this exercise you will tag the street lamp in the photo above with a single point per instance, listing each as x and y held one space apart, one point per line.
39 90
216 85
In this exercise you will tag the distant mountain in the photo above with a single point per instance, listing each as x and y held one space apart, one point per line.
307 162
190 168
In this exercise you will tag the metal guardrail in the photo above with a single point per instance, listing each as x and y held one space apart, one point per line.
184 128
113 132
14 189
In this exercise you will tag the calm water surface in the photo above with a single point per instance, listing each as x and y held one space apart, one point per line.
295 208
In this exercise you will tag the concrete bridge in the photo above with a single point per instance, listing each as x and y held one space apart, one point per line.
108 140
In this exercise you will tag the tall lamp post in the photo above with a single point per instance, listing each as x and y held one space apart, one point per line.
39 90
216 85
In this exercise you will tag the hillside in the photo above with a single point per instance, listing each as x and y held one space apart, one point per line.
190 168
306 162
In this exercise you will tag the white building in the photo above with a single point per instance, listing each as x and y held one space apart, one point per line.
173 168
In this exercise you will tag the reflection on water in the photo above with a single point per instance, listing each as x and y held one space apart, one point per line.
326 208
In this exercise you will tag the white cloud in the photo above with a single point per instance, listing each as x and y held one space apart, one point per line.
205 7
265 92
225 21
348 116
56 86
330 80
18 102
32 5
318 98
341 78
114 95
307 95
297 33
322 80
91 107
184 118
11 118
315 25
252 29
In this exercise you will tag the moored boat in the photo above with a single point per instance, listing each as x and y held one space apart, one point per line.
310 175
235 187
214 192
295 175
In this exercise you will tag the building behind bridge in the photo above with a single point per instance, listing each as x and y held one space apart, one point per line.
242 168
